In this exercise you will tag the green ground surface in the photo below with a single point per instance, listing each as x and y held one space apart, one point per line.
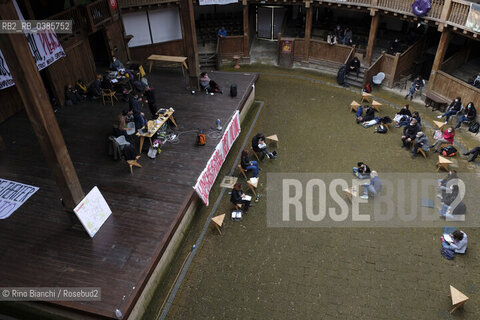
256 272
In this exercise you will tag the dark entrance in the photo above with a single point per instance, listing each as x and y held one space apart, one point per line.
98 44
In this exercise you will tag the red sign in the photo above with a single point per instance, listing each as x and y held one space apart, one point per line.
209 174
113 4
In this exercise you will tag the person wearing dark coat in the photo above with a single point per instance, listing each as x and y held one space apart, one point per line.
150 99
95 90
394 46
238 197
369 115
249 165
138 115
452 109
409 133
354 66
259 146
469 114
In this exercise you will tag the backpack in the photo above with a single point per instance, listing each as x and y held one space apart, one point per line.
381 129
421 7
368 88
474 128
449 151
447 253
201 139
233 90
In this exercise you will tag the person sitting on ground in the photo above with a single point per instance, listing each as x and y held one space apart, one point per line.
81 88
119 124
468 115
415 115
150 99
138 115
222 33
447 138
452 109
72 96
106 83
331 39
402 115
347 36
361 171
421 142
474 152
259 146
410 133
369 114
238 197
354 66
208 85
442 183
249 165
95 90
459 242
115 65
373 188
394 46
416 86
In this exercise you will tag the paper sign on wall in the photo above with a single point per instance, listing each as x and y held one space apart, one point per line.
93 211
13 195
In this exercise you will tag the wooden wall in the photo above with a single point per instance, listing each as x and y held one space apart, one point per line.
405 62
170 48
78 64
299 50
455 60
451 87
230 46
322 50
114 36
11 103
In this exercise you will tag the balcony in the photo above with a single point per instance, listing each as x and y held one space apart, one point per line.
142 3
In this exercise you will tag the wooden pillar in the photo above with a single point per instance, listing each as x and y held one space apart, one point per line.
371 38
308 30
246 39
37 105
440 55
190 41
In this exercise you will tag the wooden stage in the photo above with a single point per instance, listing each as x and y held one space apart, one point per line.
38 246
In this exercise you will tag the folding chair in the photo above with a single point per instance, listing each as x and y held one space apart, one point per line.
109 94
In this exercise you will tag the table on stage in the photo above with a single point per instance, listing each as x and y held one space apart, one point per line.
154 125
172 59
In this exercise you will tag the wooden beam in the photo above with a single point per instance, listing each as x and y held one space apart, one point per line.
371 39
308 32
190 40
246 42
440 55
39 111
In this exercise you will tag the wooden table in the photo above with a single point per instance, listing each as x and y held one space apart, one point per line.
272 138
350 193
458 298
376 105
443 163
172 59
154 125
354 106
439 124
366 97
218 222
252 185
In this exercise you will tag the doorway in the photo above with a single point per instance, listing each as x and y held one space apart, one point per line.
98 45
269 21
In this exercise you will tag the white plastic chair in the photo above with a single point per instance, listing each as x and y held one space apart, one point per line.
378 79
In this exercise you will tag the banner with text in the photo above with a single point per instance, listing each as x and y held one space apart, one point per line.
13 195
209 174
45 48
220 2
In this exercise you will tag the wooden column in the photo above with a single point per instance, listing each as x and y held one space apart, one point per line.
308 30
37 105
440 55
190 41
371 38
246 39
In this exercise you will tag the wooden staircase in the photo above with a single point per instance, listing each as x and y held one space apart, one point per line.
208 61
353 81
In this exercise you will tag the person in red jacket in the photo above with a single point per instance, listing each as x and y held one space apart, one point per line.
447 137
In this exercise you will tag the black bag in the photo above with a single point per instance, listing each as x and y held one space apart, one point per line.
474 127
381 129
233 90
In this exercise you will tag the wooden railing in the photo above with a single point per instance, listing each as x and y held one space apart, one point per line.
458 13
455 61
141 3
373 69
321 50
350 55
78 22
451 87
406 59
229 47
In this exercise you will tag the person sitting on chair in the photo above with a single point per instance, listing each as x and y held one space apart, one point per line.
452 109
447 138
361 171
106 83
421 142
115 65
249 165
416 86
410 133
373 188
72 96
81 88
474 152
119 124
259 146
459 242
468 115
95 90
354 66
208 84
238 197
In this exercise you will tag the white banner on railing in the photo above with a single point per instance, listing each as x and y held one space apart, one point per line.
45 48
473 19
219 2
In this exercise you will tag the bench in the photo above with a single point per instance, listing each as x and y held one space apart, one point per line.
435 100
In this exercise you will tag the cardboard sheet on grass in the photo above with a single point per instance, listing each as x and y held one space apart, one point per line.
209 174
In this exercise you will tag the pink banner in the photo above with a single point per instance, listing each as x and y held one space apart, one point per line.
209 174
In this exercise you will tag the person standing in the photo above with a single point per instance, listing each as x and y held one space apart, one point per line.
138 115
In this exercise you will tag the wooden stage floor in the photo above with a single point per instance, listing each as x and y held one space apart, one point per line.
38 246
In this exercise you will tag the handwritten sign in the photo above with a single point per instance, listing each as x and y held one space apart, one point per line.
93 211
209 174
13 195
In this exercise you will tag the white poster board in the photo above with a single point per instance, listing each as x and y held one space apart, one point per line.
13 195
220 2
92 211
136 24
165 24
